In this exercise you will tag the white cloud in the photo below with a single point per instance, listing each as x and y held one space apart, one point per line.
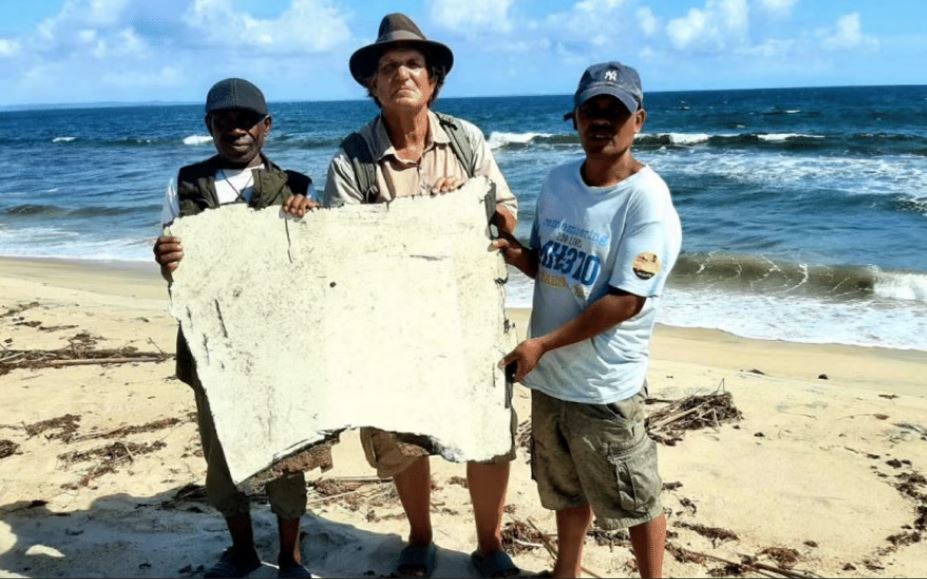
771 47
8 48
721 24
846 33
598 6
305 26
164 76
471 17
778 7
648 21
588 22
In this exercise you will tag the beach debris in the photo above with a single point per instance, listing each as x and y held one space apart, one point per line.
823 377
124 431
716 535
57 328
459 481
107 458
80 351
548 541
235 339
688 504
727 570
668 425
888 396
812 544
18 309
783 556
8 448
66 426
519 537
672 486
352 492
756 371
610 539
747 562
189 493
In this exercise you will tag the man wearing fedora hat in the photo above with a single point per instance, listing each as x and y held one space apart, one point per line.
238 121
410 150
604 240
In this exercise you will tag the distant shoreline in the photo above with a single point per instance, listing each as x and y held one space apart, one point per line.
113 104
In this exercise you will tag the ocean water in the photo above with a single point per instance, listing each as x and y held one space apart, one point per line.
804 210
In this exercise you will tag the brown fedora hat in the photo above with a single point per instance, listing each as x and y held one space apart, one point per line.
397 30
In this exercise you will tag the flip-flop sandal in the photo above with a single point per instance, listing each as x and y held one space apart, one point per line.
495 564
415 561
227 566
294 572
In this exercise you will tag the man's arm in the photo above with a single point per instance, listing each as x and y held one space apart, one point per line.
516 254
607 312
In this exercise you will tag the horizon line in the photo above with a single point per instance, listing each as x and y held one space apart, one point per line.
150 103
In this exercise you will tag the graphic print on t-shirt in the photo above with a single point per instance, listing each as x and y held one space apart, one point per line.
572 257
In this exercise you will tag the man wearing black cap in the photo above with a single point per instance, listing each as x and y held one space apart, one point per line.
604 240
237 119
410 150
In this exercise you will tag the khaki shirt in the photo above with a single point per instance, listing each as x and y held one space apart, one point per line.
401 178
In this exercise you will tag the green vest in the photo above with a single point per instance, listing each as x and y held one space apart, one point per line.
196 191
196 186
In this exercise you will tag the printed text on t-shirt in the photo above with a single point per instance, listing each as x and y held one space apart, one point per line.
571 262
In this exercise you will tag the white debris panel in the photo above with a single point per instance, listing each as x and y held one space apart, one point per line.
366 315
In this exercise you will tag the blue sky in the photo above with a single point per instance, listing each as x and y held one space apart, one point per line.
78 51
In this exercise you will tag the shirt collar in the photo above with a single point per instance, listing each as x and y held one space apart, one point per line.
383 147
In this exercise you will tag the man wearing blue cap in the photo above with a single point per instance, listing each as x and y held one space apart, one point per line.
604 240
238 121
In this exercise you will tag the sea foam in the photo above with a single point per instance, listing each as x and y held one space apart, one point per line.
197 140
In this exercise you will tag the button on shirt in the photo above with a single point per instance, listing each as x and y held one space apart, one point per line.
398 177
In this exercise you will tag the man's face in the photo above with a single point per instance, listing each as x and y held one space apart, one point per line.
238 135
606 127
402 80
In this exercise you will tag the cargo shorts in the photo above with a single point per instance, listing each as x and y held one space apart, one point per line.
595 454
391 452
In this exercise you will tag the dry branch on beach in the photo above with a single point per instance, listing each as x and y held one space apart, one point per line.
81 350
668 425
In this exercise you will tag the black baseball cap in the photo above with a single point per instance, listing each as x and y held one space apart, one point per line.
611 78
235 94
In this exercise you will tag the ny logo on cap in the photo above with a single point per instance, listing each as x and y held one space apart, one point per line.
612 76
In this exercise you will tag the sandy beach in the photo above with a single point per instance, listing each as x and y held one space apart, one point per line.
100 470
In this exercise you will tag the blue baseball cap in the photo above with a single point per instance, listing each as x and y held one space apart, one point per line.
611 78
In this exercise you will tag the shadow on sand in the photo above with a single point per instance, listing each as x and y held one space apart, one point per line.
160 536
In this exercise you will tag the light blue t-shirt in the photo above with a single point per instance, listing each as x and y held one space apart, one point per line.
590 238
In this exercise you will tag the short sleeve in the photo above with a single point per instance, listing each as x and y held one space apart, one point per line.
486 166
534 242
340 183
648 248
